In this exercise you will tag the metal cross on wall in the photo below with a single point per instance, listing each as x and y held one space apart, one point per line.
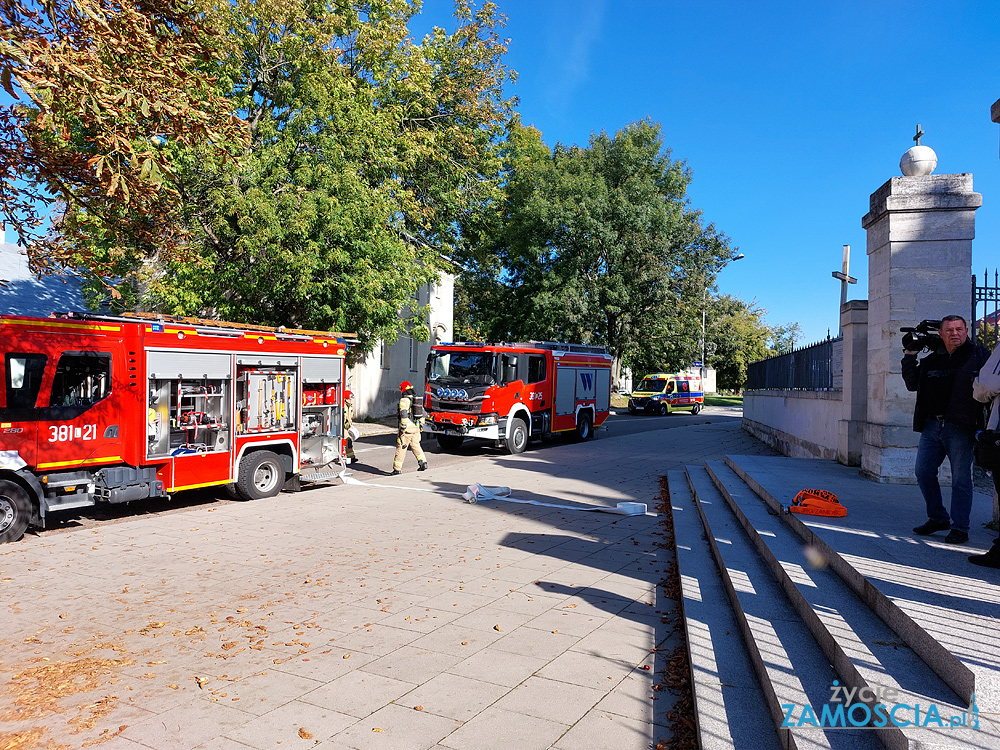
918 135
844 275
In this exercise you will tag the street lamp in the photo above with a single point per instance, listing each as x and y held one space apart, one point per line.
704 308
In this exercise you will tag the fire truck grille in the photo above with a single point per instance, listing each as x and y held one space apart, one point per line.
462 407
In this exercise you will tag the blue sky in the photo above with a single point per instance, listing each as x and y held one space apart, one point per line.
789 114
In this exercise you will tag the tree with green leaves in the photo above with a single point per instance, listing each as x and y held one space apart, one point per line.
366 150
594 245
783 338
736 335
97 86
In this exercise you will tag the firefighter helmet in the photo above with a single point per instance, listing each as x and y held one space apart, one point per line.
347 394
405 386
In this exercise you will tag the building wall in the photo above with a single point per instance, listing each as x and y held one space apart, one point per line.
374 381
800 424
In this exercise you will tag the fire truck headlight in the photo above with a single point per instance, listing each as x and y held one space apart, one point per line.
487 419
462 394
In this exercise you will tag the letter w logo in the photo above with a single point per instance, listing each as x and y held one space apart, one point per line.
587 380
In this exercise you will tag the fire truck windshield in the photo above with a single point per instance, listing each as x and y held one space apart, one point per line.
462 367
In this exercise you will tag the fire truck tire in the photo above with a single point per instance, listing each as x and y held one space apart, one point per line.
15 510
261 476
584 427
450 442
695 409
518 439
233 492
664 410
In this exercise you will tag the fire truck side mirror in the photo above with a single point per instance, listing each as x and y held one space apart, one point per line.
509 368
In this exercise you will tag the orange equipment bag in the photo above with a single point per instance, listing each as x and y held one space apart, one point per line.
817 503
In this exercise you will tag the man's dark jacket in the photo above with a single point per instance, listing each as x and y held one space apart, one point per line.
963 409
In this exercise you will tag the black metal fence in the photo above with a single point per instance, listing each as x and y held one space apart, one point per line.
810 368
986 309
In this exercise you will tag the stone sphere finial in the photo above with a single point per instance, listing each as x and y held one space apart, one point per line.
919 160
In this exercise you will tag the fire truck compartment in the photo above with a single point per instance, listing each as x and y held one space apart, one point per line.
103 409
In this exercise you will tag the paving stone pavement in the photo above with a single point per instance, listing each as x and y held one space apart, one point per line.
360 616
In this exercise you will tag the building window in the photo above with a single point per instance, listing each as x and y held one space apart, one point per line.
383 356
413 354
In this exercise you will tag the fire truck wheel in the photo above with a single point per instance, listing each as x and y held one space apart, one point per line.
664 410
450 442
584 427
518 439
261 476
15 508
695 409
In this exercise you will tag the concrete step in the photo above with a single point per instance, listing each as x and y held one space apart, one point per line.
864 649
790 666
945 664
729 705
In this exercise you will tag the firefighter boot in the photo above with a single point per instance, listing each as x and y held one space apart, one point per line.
421 466
395 472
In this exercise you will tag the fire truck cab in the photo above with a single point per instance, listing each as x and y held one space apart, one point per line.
509 393
99 409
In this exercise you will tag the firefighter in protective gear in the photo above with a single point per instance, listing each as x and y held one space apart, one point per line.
348 423
411 420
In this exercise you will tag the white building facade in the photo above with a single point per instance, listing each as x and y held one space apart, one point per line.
374 381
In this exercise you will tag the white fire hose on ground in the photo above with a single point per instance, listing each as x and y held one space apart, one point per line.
477 493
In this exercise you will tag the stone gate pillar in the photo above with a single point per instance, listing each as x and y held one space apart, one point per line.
854 414
920 232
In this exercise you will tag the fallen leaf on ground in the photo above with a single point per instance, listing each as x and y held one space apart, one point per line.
304 734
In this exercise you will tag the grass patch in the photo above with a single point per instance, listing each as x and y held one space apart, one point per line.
620 402
719 400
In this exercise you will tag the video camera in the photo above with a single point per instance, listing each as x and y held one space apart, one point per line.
922 336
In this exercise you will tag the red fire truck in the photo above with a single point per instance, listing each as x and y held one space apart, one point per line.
510 393
99 409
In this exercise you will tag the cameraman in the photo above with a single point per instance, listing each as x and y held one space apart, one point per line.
947 418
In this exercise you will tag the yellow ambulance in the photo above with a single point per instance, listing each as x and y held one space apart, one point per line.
666 392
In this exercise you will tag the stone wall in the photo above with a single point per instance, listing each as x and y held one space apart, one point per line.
800 424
